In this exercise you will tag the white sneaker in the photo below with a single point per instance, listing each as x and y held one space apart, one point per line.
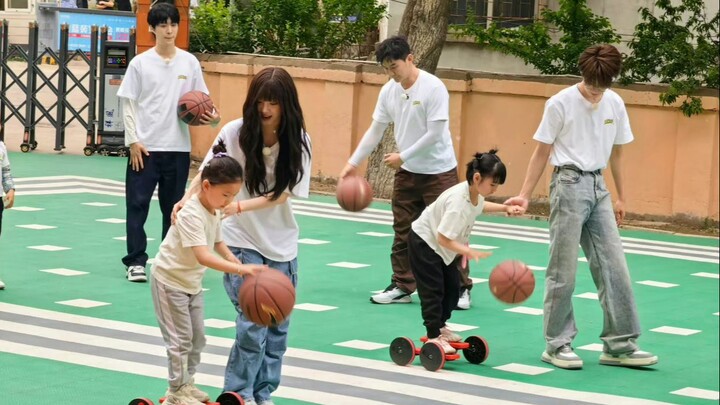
464 301
563 357
136 274
185 394
638 358
180 397
2 285
391 295
449 335
444 344
197 393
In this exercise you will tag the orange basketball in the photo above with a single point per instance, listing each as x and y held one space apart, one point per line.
354 193
193 105
512 282
267 298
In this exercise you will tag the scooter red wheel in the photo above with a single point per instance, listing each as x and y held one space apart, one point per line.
141 401
230 398
432 356
402 351
478 350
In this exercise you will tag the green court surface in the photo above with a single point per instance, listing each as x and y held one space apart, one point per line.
73 330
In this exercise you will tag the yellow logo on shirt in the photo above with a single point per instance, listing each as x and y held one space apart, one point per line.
182 77
416 102
609 121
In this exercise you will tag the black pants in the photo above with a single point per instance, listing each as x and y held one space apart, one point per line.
169 172
2 207
412 193
437 284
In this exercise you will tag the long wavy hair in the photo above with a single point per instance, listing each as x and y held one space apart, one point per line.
273 84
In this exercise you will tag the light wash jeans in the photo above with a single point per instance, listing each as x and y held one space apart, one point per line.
581 213
253 368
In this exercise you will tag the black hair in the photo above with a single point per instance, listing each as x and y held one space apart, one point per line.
488 164
393 48
273 84
161 12
222 168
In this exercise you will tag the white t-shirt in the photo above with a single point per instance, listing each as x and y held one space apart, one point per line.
452 215
7 183
156 87
175 264
426 100
583 135
271 231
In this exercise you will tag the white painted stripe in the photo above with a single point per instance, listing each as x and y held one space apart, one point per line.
49 248
706 275
593 347
26 209
348 265
314 307
523 369
65 272
588 295
525 310
673 256
458 327
219 324
161 373
83 303
36 227
308 241
331 358
671 330
697 393
362 345
658 284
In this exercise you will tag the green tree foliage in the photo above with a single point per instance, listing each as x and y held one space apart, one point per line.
680 47
534 44
307 28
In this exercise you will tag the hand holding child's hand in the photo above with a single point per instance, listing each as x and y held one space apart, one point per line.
514 210
477 255
9 199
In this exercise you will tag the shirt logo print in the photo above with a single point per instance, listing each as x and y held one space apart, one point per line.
182 77
609 121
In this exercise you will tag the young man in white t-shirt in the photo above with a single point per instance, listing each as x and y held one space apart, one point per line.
582 127
418 104
159 142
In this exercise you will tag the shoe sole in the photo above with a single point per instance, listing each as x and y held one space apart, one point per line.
462 308
629 362
137 279
564 364
406 300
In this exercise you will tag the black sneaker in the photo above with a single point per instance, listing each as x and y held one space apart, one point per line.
136 274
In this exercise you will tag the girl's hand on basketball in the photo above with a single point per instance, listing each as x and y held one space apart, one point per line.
212 118
477 255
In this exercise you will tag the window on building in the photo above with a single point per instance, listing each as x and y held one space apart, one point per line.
505 13
6 5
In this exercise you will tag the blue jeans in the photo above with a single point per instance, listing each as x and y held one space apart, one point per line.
253 369
581 213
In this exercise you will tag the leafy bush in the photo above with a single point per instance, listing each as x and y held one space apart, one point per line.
533 43
680 47
306 28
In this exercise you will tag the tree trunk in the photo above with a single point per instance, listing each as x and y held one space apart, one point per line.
425 24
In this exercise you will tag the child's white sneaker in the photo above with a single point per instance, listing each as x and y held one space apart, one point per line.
449 335
443 343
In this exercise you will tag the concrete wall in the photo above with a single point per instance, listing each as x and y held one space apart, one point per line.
672 167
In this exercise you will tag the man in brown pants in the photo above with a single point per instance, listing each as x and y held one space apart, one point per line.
418 104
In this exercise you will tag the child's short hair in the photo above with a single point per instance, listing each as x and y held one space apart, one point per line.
161 12
222 168
488 164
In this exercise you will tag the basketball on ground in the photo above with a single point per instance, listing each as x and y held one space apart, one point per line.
267 298
354 193
512 282
193 105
